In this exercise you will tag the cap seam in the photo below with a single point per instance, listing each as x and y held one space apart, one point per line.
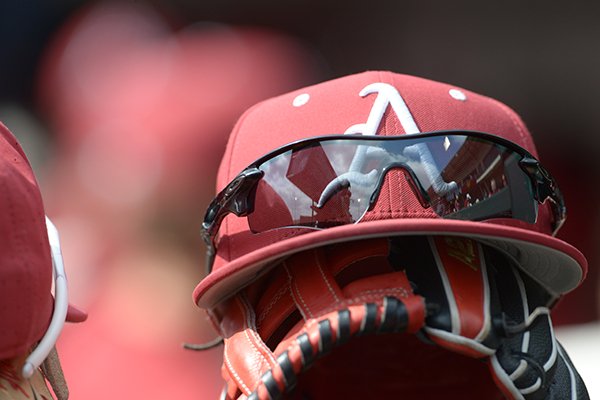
519 125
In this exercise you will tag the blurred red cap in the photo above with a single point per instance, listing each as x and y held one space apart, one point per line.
149 111
26 301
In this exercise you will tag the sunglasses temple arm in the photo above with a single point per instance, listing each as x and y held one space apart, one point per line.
233 199
545 188
239 207
210 257
560 212
61 304
207 237
210 227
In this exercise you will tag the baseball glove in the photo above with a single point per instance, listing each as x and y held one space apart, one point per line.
407 317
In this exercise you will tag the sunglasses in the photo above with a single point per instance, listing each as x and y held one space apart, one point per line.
334 180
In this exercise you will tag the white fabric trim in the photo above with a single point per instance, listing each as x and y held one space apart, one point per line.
505 379
519 371
552 360
572 375
525 304
487 319
460 340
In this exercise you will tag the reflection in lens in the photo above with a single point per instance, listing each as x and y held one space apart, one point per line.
330 182
490 184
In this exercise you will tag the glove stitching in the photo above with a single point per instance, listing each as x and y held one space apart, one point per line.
360 300
335 296
296 295
363 299
402 291
257 361
269 307
393 212
237 378
257 342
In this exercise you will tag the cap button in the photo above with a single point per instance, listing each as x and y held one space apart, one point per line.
301 100
457 94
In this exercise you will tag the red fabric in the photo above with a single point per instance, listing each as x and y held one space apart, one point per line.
398 200
335 105
25 263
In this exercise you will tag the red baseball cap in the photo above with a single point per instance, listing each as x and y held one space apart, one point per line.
386 104
26 302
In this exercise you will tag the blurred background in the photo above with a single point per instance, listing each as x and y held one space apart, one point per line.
124 109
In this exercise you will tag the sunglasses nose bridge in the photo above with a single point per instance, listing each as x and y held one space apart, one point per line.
397 192
414 183
417 188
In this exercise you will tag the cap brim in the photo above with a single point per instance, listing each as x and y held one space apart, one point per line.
555 264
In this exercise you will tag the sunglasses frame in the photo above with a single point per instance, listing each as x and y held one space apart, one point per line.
235 199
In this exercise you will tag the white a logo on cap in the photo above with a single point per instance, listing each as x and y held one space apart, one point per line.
386 95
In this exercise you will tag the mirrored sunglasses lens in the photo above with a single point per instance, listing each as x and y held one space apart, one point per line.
482 180
330 183
313 187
